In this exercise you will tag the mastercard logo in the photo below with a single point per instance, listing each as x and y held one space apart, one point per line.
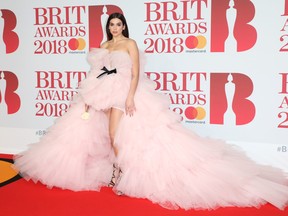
195 113
195 42
77 44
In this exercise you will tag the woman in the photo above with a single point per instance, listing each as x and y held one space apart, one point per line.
118 40
128 124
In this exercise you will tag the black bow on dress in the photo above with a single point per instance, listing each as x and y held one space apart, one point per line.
106 71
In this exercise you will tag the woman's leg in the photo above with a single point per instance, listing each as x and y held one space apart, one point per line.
114 119
114 115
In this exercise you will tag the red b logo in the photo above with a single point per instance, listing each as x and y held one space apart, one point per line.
229 103
8 22
9 99
229 25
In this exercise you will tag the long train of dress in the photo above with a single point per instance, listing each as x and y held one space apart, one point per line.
160 159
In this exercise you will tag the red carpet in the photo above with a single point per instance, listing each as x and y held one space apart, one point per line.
19 197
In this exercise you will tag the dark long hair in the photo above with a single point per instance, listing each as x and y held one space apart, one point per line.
123 20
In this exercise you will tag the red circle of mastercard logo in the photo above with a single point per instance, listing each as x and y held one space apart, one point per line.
198 42
77 43
197 113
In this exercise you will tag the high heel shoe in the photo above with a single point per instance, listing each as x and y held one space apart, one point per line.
118 179
113 178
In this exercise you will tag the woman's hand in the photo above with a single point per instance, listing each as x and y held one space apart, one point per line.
130 106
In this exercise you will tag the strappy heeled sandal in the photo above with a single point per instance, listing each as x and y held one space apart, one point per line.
118 179
113 178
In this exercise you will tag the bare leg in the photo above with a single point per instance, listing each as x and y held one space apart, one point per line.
114 119
114 115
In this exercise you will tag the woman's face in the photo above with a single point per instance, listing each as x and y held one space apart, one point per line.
116 27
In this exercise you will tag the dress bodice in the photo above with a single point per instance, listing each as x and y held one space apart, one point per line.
99 57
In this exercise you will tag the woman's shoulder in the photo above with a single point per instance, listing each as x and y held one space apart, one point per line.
132 44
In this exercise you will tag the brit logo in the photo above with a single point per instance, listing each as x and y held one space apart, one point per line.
60 30
229 102
9 100
284 35
176 26
9 40
283 105
230 28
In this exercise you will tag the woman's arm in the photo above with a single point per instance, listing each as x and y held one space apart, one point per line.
134 54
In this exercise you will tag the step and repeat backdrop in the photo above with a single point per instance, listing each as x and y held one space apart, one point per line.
223 64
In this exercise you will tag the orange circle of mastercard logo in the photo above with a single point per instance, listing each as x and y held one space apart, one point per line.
77 44
197 113
201 42
201 113
193 42
7 173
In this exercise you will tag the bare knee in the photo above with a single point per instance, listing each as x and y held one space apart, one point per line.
112 137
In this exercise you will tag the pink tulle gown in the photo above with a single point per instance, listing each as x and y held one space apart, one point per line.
159 158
